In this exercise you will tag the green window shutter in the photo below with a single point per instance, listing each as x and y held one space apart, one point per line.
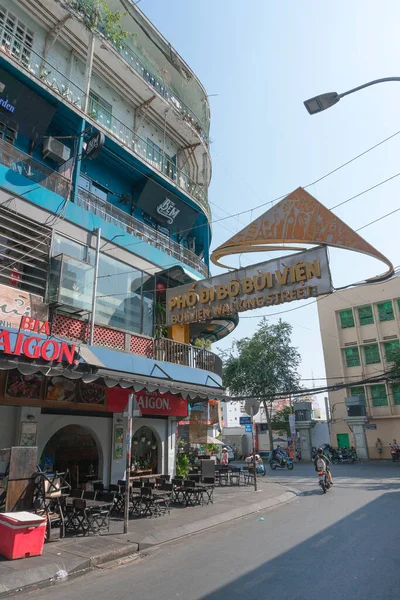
378 395
346 318
352 357
391 350
385 311
371 354
365 315
395 388
357 391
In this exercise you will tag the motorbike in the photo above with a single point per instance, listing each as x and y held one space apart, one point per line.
394 453
286 463
323 480
343 457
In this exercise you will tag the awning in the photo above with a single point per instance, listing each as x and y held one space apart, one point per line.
103 365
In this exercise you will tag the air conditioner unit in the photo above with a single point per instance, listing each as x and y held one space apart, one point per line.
56 151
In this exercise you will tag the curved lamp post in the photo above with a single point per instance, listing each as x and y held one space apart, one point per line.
324 101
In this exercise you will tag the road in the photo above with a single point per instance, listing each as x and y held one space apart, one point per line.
338 546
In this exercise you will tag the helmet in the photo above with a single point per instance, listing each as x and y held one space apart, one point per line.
320 451
278 446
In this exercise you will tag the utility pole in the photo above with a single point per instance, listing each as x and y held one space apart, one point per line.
254 447
128 461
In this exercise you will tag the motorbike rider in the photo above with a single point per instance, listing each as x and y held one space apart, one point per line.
277 454
321 456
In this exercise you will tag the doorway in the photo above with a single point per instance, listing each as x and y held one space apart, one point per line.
145 449
343 440
74 449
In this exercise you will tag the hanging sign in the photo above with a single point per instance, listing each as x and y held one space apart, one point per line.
296 277
94 145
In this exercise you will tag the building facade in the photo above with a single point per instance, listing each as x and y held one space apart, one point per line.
104 175
360 329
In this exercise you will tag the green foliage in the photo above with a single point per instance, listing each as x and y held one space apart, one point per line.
202 343
182 465
97 14
264 364
280 420
160 312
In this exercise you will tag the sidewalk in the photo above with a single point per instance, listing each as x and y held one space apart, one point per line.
73 556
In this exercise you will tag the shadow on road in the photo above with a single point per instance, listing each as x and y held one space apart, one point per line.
340 561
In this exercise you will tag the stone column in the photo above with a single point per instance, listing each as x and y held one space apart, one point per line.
357 424
304 429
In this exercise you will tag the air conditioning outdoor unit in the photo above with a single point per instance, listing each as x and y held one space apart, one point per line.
56 151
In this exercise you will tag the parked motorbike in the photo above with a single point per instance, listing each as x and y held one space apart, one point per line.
286 463
344 456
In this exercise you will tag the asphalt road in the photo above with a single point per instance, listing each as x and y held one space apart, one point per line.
338 546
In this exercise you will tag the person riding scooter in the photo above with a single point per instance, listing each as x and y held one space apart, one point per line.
277 454
320 456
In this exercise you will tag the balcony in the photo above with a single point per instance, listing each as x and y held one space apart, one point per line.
139 65
119 218
23 164
161 349
49 75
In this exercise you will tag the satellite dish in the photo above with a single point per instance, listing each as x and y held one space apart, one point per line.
252 403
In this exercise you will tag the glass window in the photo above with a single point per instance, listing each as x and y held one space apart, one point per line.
378 395
391 350
395 388
100 109
352 357
357 391
63 245
385 311
154 152
119 295
346 318
371 354
365 315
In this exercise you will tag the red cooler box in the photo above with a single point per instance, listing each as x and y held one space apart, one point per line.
21 535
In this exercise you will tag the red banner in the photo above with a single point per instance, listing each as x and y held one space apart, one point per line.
150 403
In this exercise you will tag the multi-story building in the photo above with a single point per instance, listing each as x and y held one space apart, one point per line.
104 172
360 329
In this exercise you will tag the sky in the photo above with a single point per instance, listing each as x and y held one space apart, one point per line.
264 58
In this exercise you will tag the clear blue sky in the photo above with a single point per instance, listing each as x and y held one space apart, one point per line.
263 58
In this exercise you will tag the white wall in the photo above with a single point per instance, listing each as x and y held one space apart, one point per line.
320 434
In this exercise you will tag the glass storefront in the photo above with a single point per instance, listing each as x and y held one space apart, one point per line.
121 302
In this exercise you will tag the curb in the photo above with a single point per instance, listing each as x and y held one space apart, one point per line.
79 564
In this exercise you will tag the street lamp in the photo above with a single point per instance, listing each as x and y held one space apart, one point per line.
324 101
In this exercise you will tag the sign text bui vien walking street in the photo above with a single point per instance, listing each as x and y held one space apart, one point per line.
295 277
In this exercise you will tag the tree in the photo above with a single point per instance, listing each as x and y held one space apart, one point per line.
280 420
263 365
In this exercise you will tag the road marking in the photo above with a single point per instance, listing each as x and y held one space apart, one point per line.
323 541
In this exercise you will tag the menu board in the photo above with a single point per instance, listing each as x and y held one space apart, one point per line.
60 389
24 386
92 393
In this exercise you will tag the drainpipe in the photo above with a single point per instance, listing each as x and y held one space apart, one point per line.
88 71
96 276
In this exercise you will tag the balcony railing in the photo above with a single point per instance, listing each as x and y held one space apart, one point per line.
133 226
139 65
53 78
25 165
184 354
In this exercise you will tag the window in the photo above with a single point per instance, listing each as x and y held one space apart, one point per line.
371 354
120 301
352 357
15 36
395 388
346 318
378 395
391 350
385 311
154 153
63 245
7 133
100 109
365 315
94 188
357 391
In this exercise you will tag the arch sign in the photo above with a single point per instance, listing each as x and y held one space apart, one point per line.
297 219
